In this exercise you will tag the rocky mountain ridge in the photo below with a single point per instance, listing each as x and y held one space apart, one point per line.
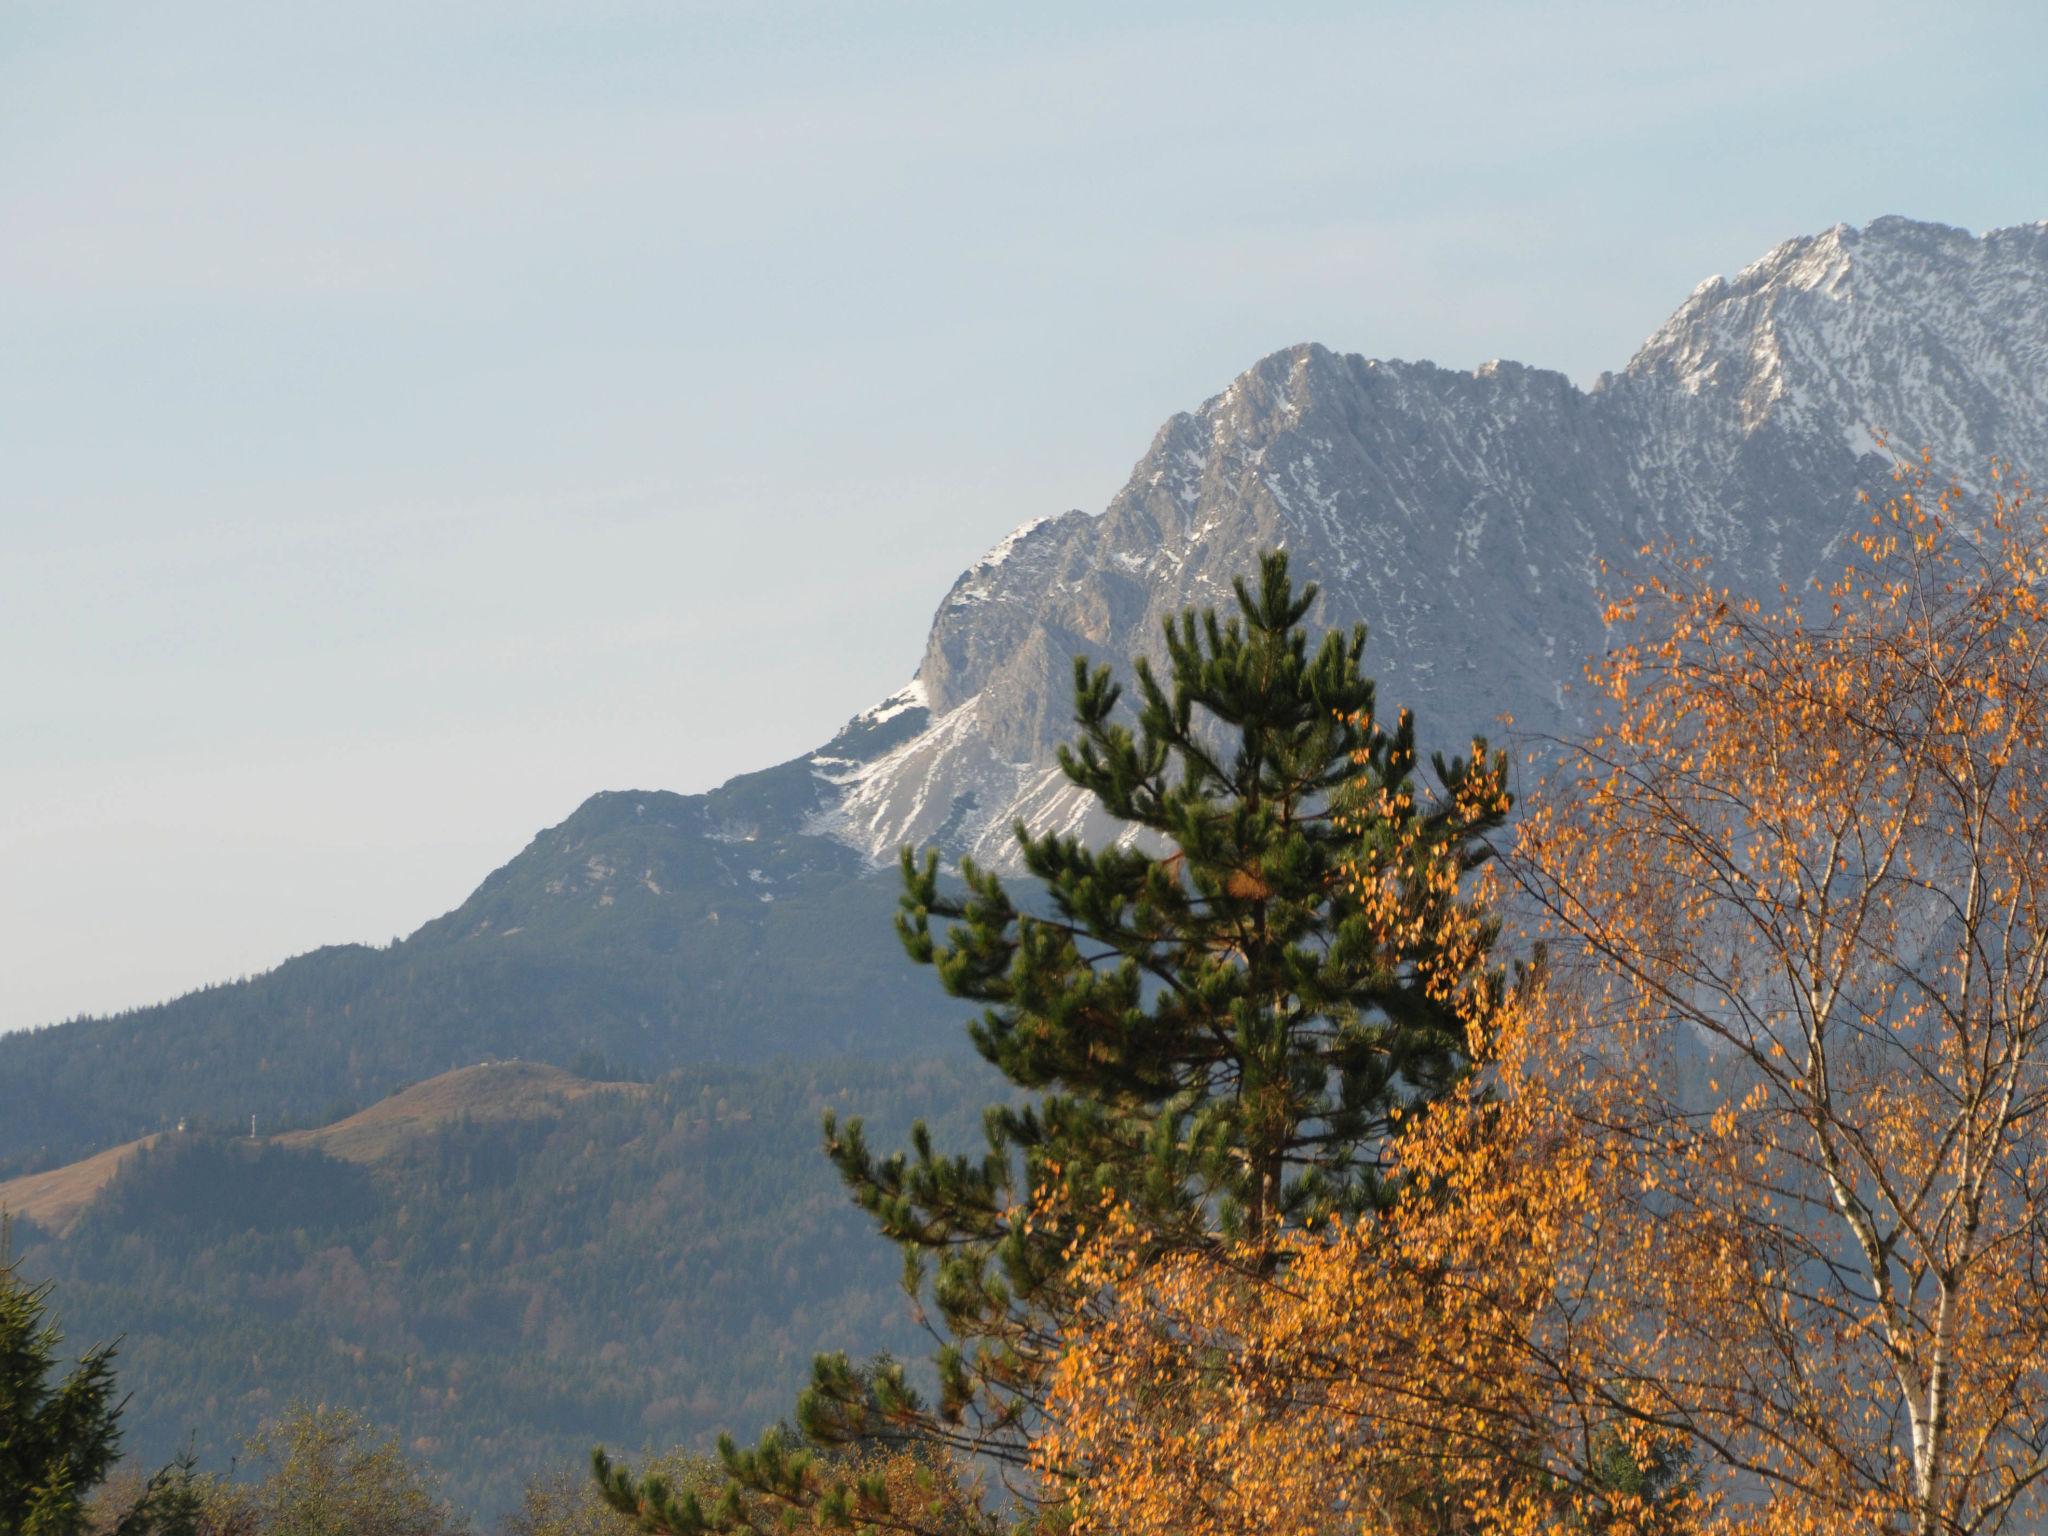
1467 517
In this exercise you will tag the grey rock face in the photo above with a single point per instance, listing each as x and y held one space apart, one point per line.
1466 517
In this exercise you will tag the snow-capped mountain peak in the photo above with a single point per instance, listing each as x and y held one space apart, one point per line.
1465 516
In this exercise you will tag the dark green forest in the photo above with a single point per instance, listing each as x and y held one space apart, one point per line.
647 1268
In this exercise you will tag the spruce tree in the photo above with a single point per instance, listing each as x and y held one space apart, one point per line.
59 1437
1221 1014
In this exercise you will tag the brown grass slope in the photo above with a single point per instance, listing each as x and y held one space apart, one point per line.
495 1090
55 1198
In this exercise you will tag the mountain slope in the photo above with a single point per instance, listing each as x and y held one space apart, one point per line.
480 1095
647 930
502 1266
1464 516
57 1198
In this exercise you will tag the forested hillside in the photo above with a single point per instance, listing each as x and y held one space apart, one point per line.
648 931
642 1267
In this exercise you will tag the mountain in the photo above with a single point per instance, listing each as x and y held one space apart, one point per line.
1464 516
648 930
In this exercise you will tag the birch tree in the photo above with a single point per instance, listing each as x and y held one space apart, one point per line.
1813 840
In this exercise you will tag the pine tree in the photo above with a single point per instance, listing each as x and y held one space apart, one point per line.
1221 1022
58 1438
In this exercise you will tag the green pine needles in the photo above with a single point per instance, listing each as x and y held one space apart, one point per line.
61 1436
58 1437
1220 1016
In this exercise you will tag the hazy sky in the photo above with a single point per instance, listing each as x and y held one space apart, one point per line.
415 417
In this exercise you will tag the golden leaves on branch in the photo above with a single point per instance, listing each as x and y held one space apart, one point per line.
1405 1373
1804 847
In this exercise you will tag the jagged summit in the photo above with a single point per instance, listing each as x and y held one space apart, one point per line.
1464 516
1929 333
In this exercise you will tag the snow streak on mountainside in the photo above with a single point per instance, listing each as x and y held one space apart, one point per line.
1465 516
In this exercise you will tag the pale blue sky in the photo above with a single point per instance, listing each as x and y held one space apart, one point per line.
417 416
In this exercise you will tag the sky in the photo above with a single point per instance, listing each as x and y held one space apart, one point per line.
416 417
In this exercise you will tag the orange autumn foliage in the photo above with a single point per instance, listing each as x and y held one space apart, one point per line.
1418 1372
1812 840
1755 1182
